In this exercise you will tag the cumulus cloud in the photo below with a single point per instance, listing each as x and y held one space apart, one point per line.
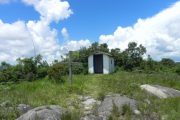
51 10
159 34
20 39
75 45
65 33
14 39
17 39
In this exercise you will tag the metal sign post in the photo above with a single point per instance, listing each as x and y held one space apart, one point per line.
70 68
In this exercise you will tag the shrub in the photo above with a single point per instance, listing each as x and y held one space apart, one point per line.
30 76
2 77
42 72
8 76
178 71
77 68
168 62
56 72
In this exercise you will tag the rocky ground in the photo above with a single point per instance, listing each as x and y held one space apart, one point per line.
113 106
160 91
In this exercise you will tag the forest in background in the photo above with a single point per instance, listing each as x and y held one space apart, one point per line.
130 59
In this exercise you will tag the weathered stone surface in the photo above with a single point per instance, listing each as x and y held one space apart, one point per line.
87 103
91 117
104 110
51 112
23 108
160 91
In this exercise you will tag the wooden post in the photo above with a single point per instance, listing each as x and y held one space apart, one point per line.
70 68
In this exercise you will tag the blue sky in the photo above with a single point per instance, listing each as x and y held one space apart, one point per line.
91 18
95 17
155 24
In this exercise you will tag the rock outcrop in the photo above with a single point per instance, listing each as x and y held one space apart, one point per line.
106 107
52 112
160 91
104 110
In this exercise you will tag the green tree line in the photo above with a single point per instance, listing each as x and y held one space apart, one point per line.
130 59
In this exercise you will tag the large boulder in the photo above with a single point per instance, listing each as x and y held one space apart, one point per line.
106 107
52 112
160 91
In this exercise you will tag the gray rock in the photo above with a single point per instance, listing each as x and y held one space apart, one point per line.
160 91
104 110
52 112
23 108
137 112
88 103
91 117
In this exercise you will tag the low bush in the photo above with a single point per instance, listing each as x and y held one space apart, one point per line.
42 72
56 72
178 71
77 68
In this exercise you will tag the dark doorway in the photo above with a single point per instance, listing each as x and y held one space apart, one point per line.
98 63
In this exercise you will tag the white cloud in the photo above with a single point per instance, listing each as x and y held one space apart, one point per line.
16 39
65 33
75 45
159 34
51 10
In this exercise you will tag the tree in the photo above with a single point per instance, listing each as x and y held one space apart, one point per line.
5 65
98 47
167 62
133 55
117 55
94 47
32 68
38 60
104 48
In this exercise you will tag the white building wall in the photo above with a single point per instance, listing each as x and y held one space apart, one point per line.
111 64
90 64
106 64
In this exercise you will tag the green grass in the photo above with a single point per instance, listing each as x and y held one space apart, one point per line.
45 92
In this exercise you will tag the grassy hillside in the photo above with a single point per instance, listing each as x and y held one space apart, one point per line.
44 91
